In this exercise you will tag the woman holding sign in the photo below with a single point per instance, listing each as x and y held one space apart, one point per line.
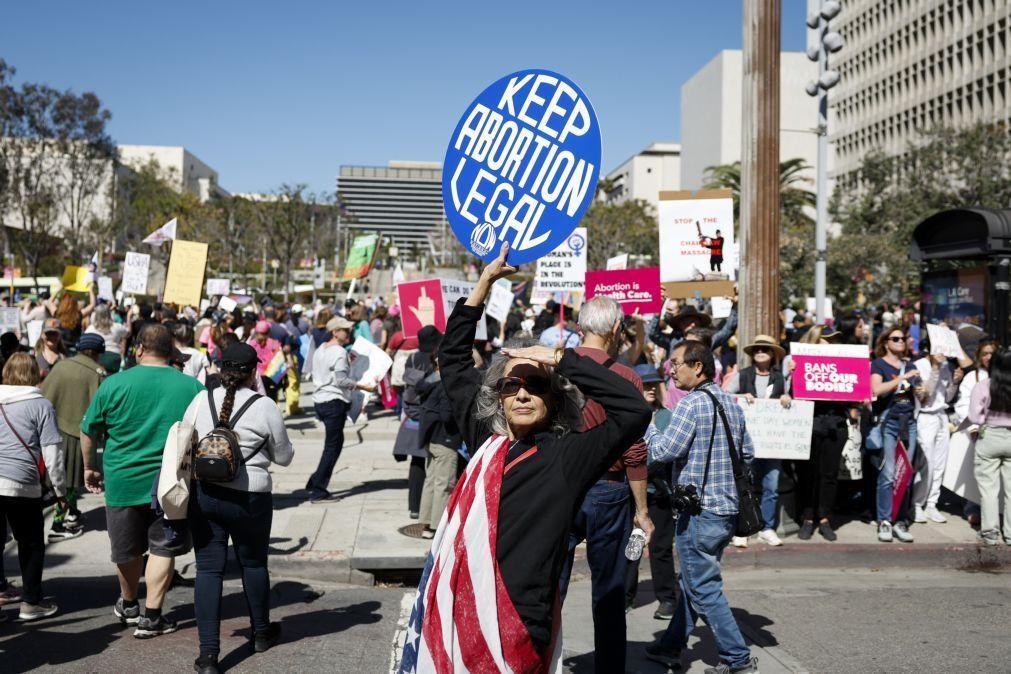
497 556
896 386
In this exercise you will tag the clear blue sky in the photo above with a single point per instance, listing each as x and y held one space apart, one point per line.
288 91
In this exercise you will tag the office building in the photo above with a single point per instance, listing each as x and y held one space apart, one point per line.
182 169
909 65
645 174
711 105
402 201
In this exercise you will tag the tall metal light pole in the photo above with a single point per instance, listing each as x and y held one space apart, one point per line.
760 213
827 41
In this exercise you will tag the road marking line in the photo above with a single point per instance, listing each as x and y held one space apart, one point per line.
400 634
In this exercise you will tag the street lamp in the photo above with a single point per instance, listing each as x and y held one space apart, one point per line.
825 41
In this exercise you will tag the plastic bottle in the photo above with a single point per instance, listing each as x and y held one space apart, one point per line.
636 542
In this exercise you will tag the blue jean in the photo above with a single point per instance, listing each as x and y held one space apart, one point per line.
897 424
767 473
604 520
700 542
217 514
333 414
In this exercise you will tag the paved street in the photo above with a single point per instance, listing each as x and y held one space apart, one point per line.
940 604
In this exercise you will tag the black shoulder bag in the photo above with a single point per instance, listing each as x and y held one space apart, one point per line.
749 512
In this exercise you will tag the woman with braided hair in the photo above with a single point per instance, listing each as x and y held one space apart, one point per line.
241 509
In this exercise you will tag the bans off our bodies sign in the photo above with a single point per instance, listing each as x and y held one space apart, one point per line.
522 166
831 372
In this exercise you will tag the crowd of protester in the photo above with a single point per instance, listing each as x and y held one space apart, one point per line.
453 395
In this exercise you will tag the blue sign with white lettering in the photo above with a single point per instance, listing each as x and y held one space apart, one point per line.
522 166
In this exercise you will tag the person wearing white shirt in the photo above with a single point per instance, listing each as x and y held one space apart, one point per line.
932 436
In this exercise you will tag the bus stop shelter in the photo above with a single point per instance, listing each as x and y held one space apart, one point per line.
965 253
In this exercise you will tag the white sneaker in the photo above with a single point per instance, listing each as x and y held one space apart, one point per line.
934 515
739 541
769 536
919 516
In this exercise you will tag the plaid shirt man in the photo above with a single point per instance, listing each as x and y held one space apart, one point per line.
685 442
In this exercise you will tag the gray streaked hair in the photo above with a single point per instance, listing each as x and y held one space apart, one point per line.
101 318
598 316
568 410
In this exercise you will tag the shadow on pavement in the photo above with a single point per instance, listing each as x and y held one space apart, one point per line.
702 650
371 487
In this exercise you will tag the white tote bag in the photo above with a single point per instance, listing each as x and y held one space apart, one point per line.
176 471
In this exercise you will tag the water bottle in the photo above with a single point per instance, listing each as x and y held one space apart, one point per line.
633 550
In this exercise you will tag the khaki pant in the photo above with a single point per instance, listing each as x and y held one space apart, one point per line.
440 479
993 468
291 391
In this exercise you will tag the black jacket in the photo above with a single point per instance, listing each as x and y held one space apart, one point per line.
541 495
437 423
746 382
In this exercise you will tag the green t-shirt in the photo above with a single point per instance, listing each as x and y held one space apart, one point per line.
135 408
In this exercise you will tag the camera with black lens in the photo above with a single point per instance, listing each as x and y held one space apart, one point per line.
685 498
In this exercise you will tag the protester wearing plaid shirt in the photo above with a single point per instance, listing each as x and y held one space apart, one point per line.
702 536
685 443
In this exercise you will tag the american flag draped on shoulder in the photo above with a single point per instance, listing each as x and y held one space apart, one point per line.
450 629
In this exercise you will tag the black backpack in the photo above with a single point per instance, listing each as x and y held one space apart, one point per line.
218 456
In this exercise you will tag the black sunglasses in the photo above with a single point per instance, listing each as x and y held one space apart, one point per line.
896 339
510 386
762 349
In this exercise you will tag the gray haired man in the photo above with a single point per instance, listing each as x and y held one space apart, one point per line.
605 518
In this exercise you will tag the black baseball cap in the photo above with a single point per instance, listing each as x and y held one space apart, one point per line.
239 356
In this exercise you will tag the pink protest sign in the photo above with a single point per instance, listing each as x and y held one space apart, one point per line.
831 372
420 305
632 288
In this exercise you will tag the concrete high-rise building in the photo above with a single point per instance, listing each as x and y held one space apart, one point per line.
711 115
645 174
402 201
911 65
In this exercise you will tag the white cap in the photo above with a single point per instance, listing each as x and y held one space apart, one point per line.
297 308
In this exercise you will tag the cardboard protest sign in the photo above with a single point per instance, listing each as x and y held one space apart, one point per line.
135 269
10 320
697 236
421 304
34 329
960 472
500 300
617 262
185 281
564 268
452 290
228 304
779 432
722 306
831 371
944 340
522 166
76 279
362 256
218 286
632 288
105 288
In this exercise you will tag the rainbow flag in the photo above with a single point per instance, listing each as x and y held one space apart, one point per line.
277 368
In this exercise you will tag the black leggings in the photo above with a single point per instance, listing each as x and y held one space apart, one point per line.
25 518
818 477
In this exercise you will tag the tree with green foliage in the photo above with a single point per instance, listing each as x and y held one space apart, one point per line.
877 209
629 227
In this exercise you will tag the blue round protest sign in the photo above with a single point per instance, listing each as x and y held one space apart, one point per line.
522 166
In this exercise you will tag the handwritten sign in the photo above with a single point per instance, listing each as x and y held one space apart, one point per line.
696 237
944 340
452 290
632 288
105 288
522 166
779 432
500 300
10 320
185 281
831 371
218 286
135 269
564 269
